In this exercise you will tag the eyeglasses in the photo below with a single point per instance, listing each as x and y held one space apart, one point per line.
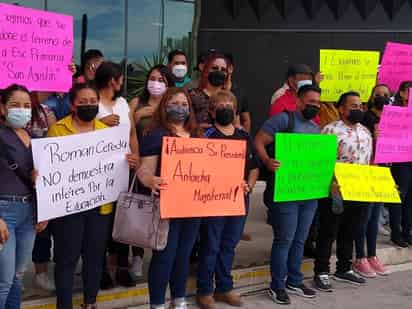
92 66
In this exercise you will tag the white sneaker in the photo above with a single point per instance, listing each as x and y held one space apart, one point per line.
178 304
384 231
43 282
136 267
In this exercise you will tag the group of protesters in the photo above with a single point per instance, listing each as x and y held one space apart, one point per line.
212 106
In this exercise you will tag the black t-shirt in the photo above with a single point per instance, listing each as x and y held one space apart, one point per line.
251 156
370 120
242 100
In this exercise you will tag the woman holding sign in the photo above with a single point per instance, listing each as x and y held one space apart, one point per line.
114 111
17 229
174 117
81 234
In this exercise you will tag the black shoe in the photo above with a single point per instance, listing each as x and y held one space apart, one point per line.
399 242
322 282
124 278
309 252
279 296
350 277
301 290
107 282
408 240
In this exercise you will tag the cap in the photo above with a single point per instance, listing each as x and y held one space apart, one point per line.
298 69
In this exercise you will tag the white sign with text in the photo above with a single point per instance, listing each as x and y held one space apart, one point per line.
80 172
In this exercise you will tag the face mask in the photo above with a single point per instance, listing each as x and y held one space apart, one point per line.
217 78
310 112
18 117
380 101
225 116
355 116
87 113
303 83
179 70
156 88
177 113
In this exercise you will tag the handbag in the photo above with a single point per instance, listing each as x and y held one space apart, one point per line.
137 221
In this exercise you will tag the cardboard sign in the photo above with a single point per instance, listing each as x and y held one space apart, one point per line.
396 65
347 70
204 177
79 173
35 49
365 183
394 142
306 166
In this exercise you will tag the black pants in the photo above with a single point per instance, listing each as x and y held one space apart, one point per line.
83 234
343 227
400 216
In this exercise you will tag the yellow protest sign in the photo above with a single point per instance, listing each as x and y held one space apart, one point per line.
365 183
346 70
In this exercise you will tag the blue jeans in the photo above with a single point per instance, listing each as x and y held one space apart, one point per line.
16 252
369 230
219 237
172 264
291 222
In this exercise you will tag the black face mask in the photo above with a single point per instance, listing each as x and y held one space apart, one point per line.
310 112
380 101
87 113
355 116
217 78
225 116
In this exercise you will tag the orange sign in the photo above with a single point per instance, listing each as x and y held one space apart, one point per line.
204 177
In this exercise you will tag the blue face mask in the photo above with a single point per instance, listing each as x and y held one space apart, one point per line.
18 117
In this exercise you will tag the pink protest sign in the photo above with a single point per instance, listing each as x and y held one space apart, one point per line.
396 65
35 48
394 143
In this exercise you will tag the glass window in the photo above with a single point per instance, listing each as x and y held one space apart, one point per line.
105 24
155 27
35 4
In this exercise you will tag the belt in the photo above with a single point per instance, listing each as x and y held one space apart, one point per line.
26 199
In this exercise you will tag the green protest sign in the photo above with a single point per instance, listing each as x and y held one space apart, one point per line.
307 162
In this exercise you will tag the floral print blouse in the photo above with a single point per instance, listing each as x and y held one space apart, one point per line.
355 144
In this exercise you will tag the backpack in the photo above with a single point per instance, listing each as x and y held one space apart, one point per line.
270 149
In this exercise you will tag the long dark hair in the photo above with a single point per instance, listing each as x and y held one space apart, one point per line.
160 116
167 76
80 86
10 90
402 87
106 72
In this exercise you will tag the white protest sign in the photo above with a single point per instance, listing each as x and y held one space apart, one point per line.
80 172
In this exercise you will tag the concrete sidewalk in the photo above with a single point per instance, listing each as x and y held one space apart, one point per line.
251 265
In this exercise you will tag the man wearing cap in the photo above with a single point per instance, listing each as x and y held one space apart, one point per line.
284 99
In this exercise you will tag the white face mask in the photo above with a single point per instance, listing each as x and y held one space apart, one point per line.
179 70
304 82
156 88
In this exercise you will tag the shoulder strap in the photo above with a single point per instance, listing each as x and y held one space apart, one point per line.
210 131
291 122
